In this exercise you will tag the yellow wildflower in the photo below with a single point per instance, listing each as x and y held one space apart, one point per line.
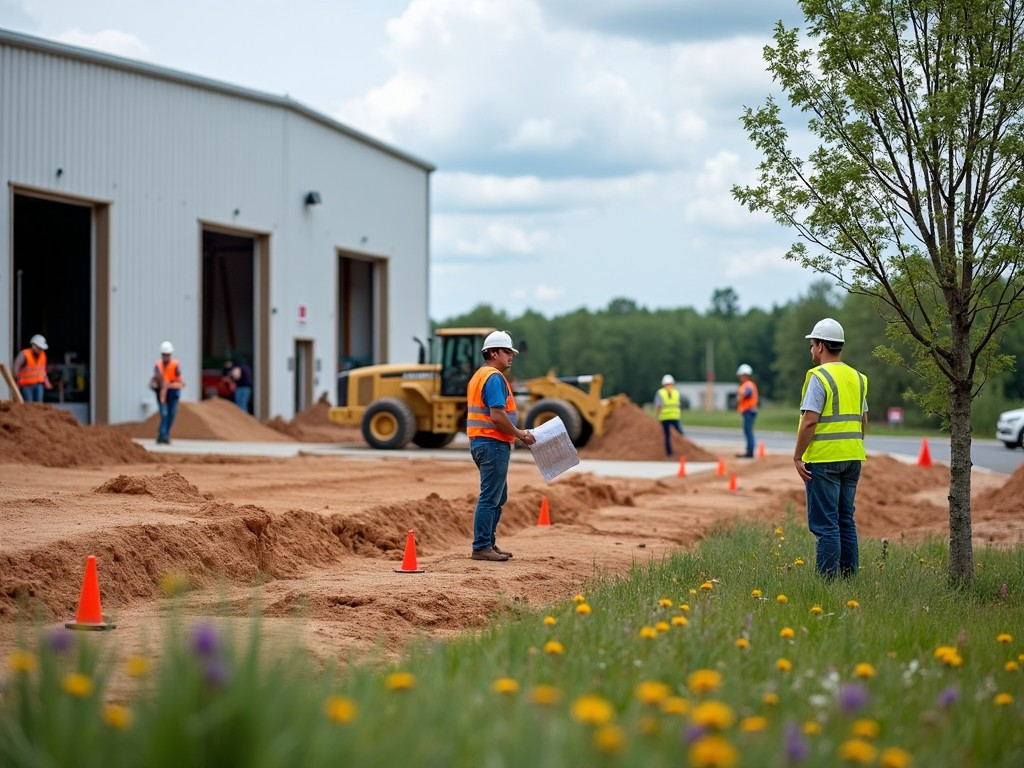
784 665
610 739
704 681
692 592
817 610
579 599
786 633
753 724
770 699
651 692
648 632
742 643
865 729
707 586
545 694
680 621
583 609
1004 637
592 710
684 607
78 684
864 670
1011 666
400 681
137 666
22 662
713 715
713 752
798 561
852 604
675 705
755 593
554 647
340 709
505 685
779 531
857 751
781 599
550 621
812 727
894 757
1003 699
662 626
665 602
117 716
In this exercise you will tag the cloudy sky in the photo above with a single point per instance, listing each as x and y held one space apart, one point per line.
585 149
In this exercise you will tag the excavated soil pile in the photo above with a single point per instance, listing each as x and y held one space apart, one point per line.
312 426
36 433
213 419
633 434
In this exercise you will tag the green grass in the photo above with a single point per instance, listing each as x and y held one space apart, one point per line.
622 691
783 419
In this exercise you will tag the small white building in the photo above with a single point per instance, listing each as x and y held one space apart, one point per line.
701 396
144 204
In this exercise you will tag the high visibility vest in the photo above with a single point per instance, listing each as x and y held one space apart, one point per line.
747 402
478 416
34 371
839 434
171 372
670 410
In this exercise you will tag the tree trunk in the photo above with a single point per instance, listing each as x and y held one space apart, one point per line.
961 554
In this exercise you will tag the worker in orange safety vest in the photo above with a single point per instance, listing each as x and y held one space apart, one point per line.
167 383
746 404
30 370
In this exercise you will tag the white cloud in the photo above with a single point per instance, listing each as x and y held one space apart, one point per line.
111 41
475 238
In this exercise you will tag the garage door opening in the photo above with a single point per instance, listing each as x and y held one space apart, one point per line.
361 286
229 310
53 286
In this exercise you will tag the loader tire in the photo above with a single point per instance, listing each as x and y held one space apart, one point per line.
389 424
548 408
586 432
433 439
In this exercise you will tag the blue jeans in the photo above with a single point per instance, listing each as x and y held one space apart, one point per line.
830 495
748 429
491 458
667 426
33 393
242 397
168 411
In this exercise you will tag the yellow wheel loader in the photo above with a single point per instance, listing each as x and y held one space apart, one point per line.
425 402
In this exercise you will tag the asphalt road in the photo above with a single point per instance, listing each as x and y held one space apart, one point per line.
986 454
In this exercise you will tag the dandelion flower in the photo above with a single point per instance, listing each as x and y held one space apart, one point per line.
648 632
117 716
651 692
136 666
662 626
817 610
680 621
713 715
684 607
784 665
786 633
400 681
812 728
340 709
753 724
857 751
852 604
798 561
1011 666
948 655
550 621
894 757
865 729
77 684
583 609
675 705
692 592
554 647
742 643
610 739
755 593
707 586
592 710
770 699
505 685
779 531
864 670
579 599
1003 699
781 599
665 602
22 662
1004 638
713 752
704 681
546 695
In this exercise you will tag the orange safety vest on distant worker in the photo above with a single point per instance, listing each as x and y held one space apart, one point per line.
171 372
34 370
478 417
747 402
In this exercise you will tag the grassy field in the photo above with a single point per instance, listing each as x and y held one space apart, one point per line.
782 419
735 654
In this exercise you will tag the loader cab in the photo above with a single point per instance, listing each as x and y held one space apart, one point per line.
460 357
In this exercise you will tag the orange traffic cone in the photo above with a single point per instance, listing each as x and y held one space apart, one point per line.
732 482
925 459
409 561
720 471
90 615
760 450
545 518
682 467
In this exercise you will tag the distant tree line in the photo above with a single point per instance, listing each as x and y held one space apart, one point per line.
633 347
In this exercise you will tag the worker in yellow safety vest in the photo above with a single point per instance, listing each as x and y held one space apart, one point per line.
668 409
830 449
30 370
492 426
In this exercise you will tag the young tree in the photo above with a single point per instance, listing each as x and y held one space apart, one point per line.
915 194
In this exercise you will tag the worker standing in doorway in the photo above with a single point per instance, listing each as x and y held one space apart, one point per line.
167 383
668 410
747 406
30 370
238 376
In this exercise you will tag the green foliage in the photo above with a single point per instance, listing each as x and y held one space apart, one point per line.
740 627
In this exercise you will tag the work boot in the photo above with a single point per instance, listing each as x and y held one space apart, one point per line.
504 552
488 553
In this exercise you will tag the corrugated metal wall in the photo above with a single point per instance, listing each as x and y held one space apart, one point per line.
171 153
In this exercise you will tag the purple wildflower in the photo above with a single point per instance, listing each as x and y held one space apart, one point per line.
852 697
948 697
61 640
694 732
796 744
216 673
205 640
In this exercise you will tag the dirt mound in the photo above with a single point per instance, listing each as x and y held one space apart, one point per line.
312 426
36 433
634 435
169 486
1007 497
213 419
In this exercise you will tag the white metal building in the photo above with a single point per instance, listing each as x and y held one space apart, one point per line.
144 204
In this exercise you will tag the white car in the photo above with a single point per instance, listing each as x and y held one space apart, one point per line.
1010 428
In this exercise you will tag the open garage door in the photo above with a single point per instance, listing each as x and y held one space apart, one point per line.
362 284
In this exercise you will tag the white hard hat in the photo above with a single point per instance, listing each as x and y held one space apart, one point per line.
498 340
39 340
827 330
667 379
744 370
166 348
